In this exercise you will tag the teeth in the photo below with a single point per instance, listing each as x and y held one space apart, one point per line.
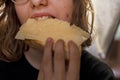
43 17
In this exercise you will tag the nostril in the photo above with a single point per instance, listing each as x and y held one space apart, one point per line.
38 3
44 2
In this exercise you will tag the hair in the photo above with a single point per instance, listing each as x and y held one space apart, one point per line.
12 49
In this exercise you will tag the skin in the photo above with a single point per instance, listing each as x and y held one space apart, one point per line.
63 10
37 8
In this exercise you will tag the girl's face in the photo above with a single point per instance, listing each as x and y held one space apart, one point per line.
60 9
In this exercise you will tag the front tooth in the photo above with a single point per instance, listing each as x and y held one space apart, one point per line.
42 18
45 17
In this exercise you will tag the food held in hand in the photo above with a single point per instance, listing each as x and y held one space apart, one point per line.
38 30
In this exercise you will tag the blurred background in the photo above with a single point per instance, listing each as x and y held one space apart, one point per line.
106 43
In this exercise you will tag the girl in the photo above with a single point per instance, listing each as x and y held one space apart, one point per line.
21 62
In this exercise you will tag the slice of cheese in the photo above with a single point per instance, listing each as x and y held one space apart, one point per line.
40 30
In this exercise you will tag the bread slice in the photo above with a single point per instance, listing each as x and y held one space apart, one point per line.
40 30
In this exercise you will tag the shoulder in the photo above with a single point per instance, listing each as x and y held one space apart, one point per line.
3 69
94 68
3 65
11 66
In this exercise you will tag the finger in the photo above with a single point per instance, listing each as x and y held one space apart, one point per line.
41 74
59 60
47 59
74 64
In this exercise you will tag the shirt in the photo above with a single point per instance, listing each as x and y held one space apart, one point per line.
91 69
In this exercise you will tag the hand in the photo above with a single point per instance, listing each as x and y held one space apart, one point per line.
54 68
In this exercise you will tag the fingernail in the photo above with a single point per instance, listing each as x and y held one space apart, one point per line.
49 39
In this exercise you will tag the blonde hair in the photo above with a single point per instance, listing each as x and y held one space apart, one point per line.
12 49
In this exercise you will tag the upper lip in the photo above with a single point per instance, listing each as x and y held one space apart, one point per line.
35 15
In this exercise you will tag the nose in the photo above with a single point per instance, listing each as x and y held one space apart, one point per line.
37 3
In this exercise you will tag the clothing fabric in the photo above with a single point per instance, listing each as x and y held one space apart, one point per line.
91 69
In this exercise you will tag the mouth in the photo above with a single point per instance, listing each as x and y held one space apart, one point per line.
42 16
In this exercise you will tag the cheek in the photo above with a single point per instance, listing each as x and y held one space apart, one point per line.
23 15
67 13
63 9
68 9
67 17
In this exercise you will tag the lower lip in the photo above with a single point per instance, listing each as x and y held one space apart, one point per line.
41 14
